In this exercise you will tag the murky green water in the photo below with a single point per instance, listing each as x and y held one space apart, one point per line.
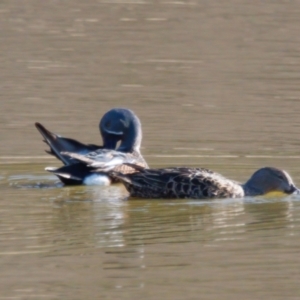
215 84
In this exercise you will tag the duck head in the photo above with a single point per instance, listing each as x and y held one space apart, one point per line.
121 124
268 180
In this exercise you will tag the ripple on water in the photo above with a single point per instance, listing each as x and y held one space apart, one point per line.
29 181
140 243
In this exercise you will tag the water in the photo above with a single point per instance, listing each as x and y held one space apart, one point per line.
87 242
215 85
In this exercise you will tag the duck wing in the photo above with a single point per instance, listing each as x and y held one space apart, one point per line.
105 160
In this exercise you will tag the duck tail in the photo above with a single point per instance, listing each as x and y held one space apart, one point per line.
65 177
60 144
50 139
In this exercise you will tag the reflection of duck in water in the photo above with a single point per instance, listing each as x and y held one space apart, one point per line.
118 124
196 183
270 215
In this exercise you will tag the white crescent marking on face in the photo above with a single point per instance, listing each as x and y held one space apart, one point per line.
114 132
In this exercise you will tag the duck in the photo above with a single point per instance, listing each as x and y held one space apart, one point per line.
200 183
118 124
109 128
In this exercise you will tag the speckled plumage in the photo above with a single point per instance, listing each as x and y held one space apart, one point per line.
195 183
199 183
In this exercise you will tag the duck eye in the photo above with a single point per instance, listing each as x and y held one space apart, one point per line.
280 177
108 124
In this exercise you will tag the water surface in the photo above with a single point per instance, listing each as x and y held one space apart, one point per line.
215 85
86 242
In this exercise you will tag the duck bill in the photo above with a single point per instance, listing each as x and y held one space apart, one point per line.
296 191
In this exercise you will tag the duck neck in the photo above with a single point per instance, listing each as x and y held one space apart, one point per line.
249 190
132 139
110 141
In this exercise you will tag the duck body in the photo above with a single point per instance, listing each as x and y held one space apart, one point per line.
170 183
92 165
199 183
79 174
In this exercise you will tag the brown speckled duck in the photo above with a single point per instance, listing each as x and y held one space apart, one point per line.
198 183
